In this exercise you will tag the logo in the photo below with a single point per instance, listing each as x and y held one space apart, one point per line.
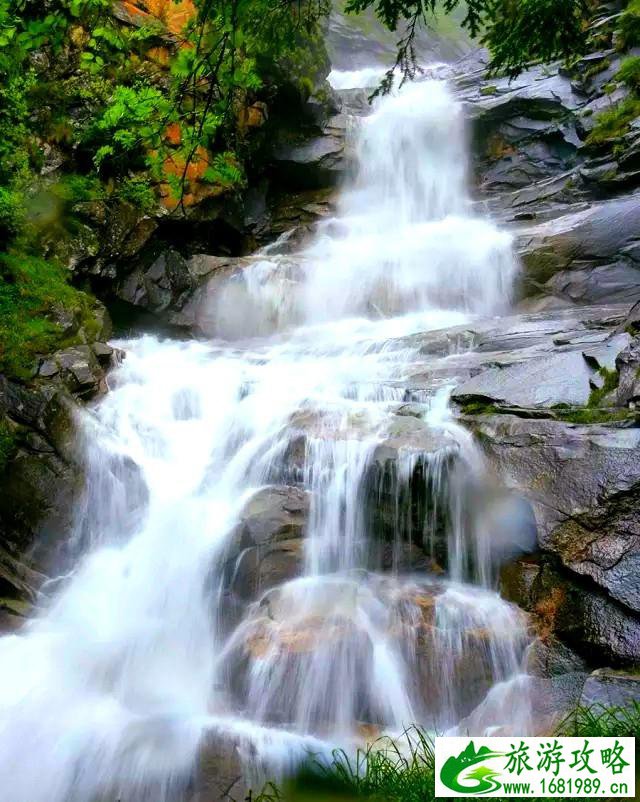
481 780
543 767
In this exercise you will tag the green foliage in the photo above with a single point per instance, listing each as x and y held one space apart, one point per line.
614 122
589 415
629 72
130 124
12 212
138 192
629 27
404 770
603 722
33 292
610 382
517 32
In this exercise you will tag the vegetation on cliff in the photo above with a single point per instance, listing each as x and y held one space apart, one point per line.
152 105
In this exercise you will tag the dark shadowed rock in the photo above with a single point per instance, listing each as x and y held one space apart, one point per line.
590 622
317 162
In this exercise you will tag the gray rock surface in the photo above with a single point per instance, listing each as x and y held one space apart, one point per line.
586 619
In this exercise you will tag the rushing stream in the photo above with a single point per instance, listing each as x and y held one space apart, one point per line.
156 636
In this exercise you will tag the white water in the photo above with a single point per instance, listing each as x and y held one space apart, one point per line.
145 647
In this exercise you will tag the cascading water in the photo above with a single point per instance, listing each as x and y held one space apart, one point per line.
152 640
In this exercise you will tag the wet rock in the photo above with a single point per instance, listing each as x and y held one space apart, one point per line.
628 366
219 775
549 657
79 369
577 612
554 698
274 514
564 377
314 163
524 130
545 382
161 284
267 546
589 256
607 689
584 484
259 569
407 435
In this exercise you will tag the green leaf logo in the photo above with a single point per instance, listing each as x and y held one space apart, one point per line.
459 775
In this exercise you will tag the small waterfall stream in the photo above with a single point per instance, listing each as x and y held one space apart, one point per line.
147 643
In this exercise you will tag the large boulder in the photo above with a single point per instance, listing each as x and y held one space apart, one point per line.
219 774
584 484
41 471
558 378
611 689
267 546
588 256
38 486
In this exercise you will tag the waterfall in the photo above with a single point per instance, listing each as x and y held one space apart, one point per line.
157 635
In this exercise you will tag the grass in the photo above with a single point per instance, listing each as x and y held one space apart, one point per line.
34 294
629 27
629 72
405 772
614 123
587 415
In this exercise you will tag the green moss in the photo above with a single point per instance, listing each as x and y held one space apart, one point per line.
34 296
614 123
587 415
629 72
596 69
479 408
598 395
489 90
